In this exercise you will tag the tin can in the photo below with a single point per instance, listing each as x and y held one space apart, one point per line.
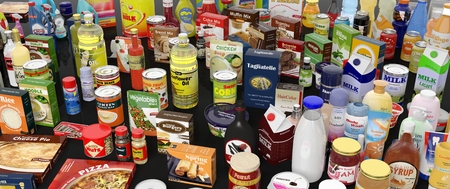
172 42
109 105
397 76
344 158
417 51
133 14
37 69
411 37
152 22
361 22
322 24
389 36
342 20
97 140
208 55
225 86
107 75
244 171
155 81
264 16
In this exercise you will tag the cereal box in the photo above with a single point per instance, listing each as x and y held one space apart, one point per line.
214 26
162 34
191 164
17 181
288 94
16 112
372 49
173 127
142 110
262 36
291 57
240 19
318 48
286 27
70 130
290 9
43 47
342 43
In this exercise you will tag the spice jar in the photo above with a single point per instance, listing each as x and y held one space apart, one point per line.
122 142
152 22
107 75
244 171
374 174
344 160
139 146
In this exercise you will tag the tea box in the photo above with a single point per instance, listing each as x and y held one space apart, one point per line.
142 110
290 9
16 112
372 49
262 36
17 181
240 19
43 47
173 127
342 43
286 27
288 94
291 57
161 35
318 48
214 26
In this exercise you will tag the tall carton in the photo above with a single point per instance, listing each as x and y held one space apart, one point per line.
342 43
371 48
433 70
318 48
357 79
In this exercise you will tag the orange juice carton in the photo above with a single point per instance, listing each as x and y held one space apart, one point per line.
372 49
16 112
288 94
342 43
359 74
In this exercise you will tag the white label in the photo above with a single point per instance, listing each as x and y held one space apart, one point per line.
305 150
233 147
337 122
346 175
20 75
441 40
354 125
403 175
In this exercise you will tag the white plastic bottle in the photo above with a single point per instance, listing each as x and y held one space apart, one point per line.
310 139
427 99
59 23
9 46
87 84
339 101
419 117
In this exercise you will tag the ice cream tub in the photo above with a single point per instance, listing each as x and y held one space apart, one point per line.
219 116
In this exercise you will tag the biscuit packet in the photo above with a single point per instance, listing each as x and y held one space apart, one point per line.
162 34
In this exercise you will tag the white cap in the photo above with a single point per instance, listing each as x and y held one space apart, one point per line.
331 184
419 115
88 17
429 94
306 60
200 33
408 126
57 11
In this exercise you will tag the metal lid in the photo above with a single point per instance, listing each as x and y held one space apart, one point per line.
375 169
157 19
154 73
322 16
331 75
221 114
346 146
106 71
342 18
362 13
150 184
224 75
412 33
396 70
35 64
96 131
389 31
421 44
245 162
107 91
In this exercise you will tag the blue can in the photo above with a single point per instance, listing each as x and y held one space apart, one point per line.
342 20
331 78
71 96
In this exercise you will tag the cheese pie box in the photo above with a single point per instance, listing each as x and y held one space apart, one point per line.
17 181
36 154
80 173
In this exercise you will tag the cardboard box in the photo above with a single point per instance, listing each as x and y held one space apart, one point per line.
43 101
16 112
342 43
318 48
262 36
43 47
70 130
358 76
381 23
17 181
290 9
286 27
287 95
9 7
35 154
372 49
119 48
262 74
203 158
214 26
173 127
240 19
162 34
76 171
245 45
291 57
142 110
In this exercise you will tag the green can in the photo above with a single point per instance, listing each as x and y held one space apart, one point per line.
225 86
417 51
37 69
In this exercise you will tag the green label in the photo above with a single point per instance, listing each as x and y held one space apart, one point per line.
136 62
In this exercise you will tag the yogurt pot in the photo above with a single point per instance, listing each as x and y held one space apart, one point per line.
442 121
151 183
317 69
288 180
219 116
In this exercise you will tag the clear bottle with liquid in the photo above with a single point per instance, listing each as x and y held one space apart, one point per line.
310 12
60 31
19 55
349 9
74 36
435 15
305 76
419 18
9 46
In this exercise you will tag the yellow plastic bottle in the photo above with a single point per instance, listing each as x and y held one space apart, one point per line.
310 12
369 6
185 14
439 178
19 55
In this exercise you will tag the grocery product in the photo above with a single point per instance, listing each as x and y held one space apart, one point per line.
16 111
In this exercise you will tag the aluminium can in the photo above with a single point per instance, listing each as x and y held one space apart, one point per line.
97 140
107 75
342 20
417 51
225 86
155 81
397 76
109 105
37 69
322 24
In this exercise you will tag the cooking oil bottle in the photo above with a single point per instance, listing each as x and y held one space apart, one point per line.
184 73
91 44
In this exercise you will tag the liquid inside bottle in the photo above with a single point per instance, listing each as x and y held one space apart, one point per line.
309 13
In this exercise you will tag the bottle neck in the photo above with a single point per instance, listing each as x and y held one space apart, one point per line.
407 137
134 41
295 115
240 113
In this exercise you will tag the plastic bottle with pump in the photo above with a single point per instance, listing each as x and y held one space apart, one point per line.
386 8
369 6
59 23
17 18
37 20
48 14
427 99
84 8
339 101
419 117
419 18
349 9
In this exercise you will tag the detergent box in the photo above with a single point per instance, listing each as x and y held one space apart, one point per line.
342 43
372 49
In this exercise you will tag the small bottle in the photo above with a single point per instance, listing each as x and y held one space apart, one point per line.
201 46
87 84
294 118
136 60
339 101
60 31
305 78
122 143
139 146
71 97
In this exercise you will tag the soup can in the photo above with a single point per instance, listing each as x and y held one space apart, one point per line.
37 69
155 81
152 22
322 24
244 171
97 140
107 75
397 76
109 105
417 51
225 86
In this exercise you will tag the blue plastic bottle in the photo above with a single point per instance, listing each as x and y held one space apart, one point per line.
402 14
349 9
36 19
419 18
356 119
39 4
71 96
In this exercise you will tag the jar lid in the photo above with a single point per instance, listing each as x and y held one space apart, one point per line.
375 169
221 114
137 133
69 82
151 183
121 131
331 75
320 65
96 131
288 180
312 102
244 162
157 19
331 184
346 146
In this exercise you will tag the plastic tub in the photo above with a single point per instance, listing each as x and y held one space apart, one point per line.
219 116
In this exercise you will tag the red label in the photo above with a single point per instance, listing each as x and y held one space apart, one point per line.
244 180
211 24
140 153
9 64
123 150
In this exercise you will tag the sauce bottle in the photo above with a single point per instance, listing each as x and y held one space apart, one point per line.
404 159
168 13
139 146
441 32
185 13
136 59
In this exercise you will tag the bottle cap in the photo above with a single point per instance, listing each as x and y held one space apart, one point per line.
306 60
339 97
15 35
379 86
76 17
201 33
424 1
428 94
313 102
296 107
88 17
137 133
69 82
358 109
85 71
447 5
226 2
57 12
408 126
331 76
134 31
403 1
66 8
419 115
31 3
121 131
182 36
436 13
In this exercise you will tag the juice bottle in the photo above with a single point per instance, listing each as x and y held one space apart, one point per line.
402 13
435 15
19 55
74 35
419 18
185 13
441 33
309 13
369 6
386 8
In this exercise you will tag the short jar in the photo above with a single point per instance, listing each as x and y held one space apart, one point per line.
343 164
373 174
244 171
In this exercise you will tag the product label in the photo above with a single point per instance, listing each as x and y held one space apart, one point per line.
240 181
354 125
38 29
109 105
346 175
9 64
407 49
87 88
136 62
305 78
18 72
140 153
185 83
441 40
325 92
337 122
185 16
396 86
308 19
93 148
401 15
133 15
123 150
321 28
377 129
225 91
235 146
72 101
201 51
403 175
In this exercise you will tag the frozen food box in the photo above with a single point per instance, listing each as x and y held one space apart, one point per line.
142 110
240 19
17 181
16 112
173 127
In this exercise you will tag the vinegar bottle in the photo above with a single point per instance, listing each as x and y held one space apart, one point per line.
19 55
136 60
309 13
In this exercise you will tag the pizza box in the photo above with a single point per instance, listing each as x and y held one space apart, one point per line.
35 154
80 173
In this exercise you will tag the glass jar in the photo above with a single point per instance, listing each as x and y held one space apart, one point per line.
344 160
374 174
139 146
122 143
244 171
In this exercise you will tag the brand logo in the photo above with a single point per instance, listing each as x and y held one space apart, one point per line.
265 142
240 15
312 47
143 99
281 24
402 170
196 159
211 21
172 127
438 39
288 97
288 46
131 17
392 79
35 91
261 67
3 181
6 99
36 44
93 168
225 48
350 87
93 148
30 138
326 91
427 79
341 35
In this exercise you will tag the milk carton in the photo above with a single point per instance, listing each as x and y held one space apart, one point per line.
342 43
371 48
357 79
433 70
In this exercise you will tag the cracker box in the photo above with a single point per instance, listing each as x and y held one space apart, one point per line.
43 47
286 27
240 19
214 26
288 94
318 48
342 43
162 34
142 110
16 112
372 49
191 164
80 173
70 130
35 154
17 181
173 127
291 57
262 36
119 47
43 101
290 9
262 74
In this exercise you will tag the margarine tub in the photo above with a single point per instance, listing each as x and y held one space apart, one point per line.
288 180
219 116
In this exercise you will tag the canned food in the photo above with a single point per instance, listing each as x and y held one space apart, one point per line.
109 105
344 158
411 37
322 24
155 81
107 75
172 42
37 69
97 140
244 171
373 174
264 15
417 51
389 36
342 20
225 86
152 22
397 76
361 22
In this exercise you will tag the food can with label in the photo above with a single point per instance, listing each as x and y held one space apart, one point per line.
37 69
155 81
322 24
244 171
152 22
109 105
264 16
107 75
417 51
344 158
224 86
97 140
397 76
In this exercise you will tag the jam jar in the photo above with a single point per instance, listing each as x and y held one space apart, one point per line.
343 164
244 171
374 174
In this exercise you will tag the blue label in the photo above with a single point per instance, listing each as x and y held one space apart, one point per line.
325 92
72 101
186 15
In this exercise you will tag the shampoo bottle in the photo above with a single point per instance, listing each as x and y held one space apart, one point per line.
427 99
419 117
356 120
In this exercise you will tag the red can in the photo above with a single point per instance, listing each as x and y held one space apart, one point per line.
152 22
244 171
389 36
97 140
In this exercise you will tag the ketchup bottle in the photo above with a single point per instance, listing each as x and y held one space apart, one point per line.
136 59
198 20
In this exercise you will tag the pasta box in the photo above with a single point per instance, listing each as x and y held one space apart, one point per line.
318 48
70 130
288 94
17 181
16 112
35 154
142 110
43 47
161 35
262 36
262 74
291 56
240 19
80 173
173 127
286 27
191 164
214 26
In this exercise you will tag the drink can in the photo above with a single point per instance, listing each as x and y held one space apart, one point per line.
397 76
342 20
322 24
389 36
417 51
411 37
362 22
225 86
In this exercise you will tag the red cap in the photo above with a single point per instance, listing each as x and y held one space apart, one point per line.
69 82
31 3
270 117
226 1
137 133
121 131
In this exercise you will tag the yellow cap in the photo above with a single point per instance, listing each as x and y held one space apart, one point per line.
15 35
346 146
375 169
76 17
134 31
447 5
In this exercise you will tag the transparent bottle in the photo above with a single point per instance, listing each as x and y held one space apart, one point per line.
9 46
59 23
305 76
87 84
333 12
349 9
419 18
19 55
74 36
310 12
386 8
184 73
